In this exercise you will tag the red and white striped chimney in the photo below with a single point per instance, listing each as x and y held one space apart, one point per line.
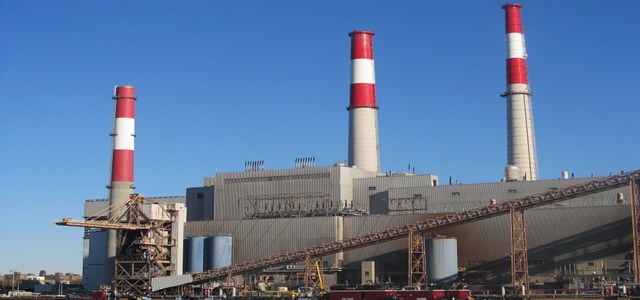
121 165
363 110
521 142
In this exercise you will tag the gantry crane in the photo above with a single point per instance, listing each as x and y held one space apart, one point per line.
437 223
146 236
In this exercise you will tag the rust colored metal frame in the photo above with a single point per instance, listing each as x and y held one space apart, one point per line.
131 219
635 221
143 253
519 260
462 217
410 205
144 246
417 260
287 205
312 273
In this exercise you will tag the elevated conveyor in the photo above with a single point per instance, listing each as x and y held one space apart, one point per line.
458 218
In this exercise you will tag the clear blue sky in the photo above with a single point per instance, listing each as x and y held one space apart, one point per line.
223 82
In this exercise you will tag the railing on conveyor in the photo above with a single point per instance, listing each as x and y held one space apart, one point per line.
471 215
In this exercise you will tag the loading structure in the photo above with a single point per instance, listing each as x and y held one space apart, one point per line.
431 224
149 239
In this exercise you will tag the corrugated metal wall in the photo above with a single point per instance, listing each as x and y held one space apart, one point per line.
232 190
200 203
354 226
257 238
448 198
371 194
559 234
556 233
95 252
95 207
254 239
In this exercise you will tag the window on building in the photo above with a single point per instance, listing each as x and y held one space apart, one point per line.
372 188
200 196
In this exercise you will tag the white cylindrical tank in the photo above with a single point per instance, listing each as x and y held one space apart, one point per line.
196 254
220 251
565 174
511 173
442 260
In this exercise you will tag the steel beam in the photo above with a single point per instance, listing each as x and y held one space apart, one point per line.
417 260
519 260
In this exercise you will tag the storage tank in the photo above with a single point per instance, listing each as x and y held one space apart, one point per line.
442 260
511 173
196 254
220 251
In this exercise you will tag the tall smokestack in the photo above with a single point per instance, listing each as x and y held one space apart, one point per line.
521 142
363 110
121 166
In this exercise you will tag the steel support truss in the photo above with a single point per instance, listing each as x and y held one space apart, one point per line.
519 260
313 269
143 254
458 218
417 260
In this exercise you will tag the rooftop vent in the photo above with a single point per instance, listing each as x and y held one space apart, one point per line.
305 162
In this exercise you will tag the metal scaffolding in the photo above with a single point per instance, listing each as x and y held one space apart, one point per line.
417 260
144 243
519 261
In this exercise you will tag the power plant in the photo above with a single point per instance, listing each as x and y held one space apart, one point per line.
311 226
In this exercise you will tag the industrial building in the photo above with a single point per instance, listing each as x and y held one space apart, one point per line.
588 230
261 212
